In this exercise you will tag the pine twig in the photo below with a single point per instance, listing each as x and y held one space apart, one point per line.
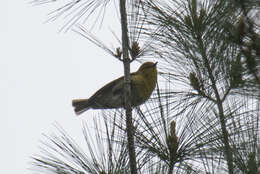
127 88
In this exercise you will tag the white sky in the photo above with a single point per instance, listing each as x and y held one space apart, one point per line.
41 71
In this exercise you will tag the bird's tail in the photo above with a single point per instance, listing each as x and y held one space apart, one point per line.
80 105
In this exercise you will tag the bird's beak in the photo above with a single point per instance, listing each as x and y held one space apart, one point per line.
155 64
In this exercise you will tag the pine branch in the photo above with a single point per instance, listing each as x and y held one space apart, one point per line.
127 88
228 151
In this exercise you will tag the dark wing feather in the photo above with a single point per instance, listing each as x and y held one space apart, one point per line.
108 94
105 89
119 86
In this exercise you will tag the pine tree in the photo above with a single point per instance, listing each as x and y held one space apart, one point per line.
203 116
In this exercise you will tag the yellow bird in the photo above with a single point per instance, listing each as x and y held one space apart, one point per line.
111 96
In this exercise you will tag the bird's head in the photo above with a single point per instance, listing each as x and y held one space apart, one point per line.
148 69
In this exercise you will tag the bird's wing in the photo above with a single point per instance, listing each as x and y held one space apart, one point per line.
136 80
116 87
107 88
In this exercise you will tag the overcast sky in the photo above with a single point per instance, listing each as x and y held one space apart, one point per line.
42 70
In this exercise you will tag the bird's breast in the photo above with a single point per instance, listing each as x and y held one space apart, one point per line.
142 89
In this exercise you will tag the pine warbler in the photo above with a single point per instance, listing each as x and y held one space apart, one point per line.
111 96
